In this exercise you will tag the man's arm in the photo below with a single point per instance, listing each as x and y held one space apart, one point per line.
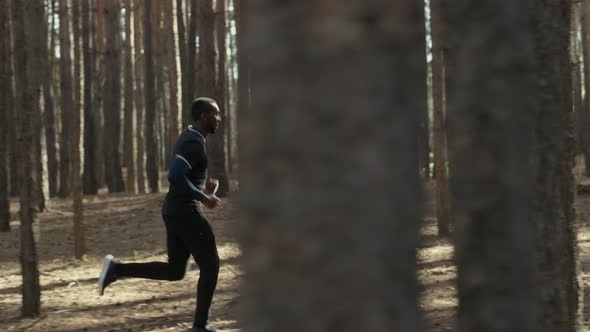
180 182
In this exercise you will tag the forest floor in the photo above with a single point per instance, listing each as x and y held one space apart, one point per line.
130 227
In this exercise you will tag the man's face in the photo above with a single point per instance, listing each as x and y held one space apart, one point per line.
213 119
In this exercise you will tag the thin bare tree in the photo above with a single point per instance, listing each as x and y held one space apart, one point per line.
76 153
152 168
439 136
23 22
129 131
5 123
67 100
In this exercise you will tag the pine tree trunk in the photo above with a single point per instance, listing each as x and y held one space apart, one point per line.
491 112
5 91
207 49
139 97
243 66
161 105
90 185
49 111
557 260
150 103
216 144
12 145
129 114
584 119
112 99
99 91
174 126
66 100
78 229
189 71
230 118
243 84
576 68
38 67
289 231
182 45
439 136
23 22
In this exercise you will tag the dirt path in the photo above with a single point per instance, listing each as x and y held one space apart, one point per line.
130 227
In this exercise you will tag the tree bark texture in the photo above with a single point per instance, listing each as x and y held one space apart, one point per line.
217 153
584 118
49 111
5 123
304 55
174 125
67 101
90 183
129 131
554 215
152 168
31 293
112 99
76 153
139 95
491 112
439 136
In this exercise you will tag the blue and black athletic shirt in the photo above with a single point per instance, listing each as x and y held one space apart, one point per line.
187 174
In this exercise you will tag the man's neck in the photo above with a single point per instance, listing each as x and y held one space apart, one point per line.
201 130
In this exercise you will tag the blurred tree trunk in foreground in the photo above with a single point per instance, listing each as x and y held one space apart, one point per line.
330 169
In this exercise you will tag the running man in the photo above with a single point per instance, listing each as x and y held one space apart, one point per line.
187 229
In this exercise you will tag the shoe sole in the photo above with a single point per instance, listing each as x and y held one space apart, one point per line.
105 267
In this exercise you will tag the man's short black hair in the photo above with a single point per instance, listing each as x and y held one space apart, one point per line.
200 105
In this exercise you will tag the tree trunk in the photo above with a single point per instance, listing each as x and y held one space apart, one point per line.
49 111
439 136
423 137
189 72
182 44
576 68
300 163
23 22
139 80
90 185
174 126
160 96
243 66
231 116
12 145
78 229
100 45
216 144
490 128
207 49
66 100
554 216
243 82
150 103
5 123
129 115
112 99
584 118
39 64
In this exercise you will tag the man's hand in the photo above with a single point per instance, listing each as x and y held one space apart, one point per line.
211 201
211 186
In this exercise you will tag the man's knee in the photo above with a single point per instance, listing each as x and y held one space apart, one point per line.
177 274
